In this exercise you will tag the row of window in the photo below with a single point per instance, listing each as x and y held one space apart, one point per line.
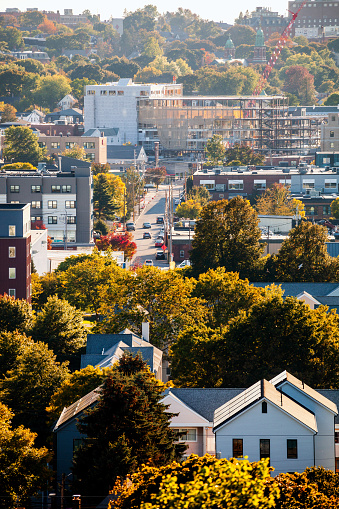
53 204
38 189
311 210
104 92
265 448
54 220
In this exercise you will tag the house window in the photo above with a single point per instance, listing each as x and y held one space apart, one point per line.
15 189
264 448
259 184
182 253
70 144
90 156
35 189
264 407
42 144
238 448
310 210
71 220
89 144
337 465
11 230
66 189
55 189
70 204
52 204
326 210
235 185
326 160
331 134
11 292
187 435
221 196
336 437
308 184
120 92
90 92
332 144
292 449
55 144
11 252
52 220
36 204
330 184
12 273
103 92
111 92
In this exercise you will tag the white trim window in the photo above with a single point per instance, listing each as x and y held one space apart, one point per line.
259 184
235 185
308 183
331 184
188 434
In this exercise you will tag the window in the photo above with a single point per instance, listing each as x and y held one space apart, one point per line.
11 292
326 210
182 254
70 204
103 92
330 184
331 134
35 189
71 220
326 160
259 184
55 144
36 218
120 92
332 144
15 189
238 448
221 196
264 407
12 273
264 448
220 187
188 435
52 204
90 92
55 189
336 437
52 220
333 118
42 144
11 252
337 465
235 185
11 230
15 201
89 144
66 189
36 204
308 184
70 144
111 92
310 210
292 449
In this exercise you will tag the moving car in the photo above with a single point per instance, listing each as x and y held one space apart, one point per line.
159 242
147 225
130 226
147 235
148 263
160 220
160 255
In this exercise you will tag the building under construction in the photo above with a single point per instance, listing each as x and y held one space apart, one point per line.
185 124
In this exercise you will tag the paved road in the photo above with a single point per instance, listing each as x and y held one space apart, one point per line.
155 207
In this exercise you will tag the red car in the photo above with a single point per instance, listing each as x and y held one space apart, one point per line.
159 242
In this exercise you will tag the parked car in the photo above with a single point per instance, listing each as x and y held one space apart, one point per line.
160 255
160 220
159 242
147 235
130 226
148 263
183 264
147 225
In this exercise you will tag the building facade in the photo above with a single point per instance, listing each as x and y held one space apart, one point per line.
61 199
314 17
15 250
330 134
95 147
269 21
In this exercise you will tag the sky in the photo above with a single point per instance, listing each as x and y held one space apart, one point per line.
216 10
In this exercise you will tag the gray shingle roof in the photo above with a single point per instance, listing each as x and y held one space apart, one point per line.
123 151
77 407
106 131
293 289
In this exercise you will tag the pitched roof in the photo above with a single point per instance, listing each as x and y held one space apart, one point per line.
257 392
106 131
123 151
312 393
77 407
293 289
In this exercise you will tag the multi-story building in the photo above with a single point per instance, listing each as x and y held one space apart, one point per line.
314 17
61 199
330 134
71 20
15 252
264 18
95 148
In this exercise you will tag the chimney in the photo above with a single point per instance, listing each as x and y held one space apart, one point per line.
145 331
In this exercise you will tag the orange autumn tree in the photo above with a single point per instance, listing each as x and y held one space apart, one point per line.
118 242
47 26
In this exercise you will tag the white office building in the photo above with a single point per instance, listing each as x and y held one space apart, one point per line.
115 105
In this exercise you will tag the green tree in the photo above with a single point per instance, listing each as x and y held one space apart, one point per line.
134 183
128 427
332 100
8 113
12 36
60 326
97 168
241 34
200 482
50 90
32 19
104 204
23 467
78 86
197 193
77 152
244 154
189 210
21 145
303 255
277 201
15 314
152 48
155 175
226 235
215 150
28 387
335 208
12 344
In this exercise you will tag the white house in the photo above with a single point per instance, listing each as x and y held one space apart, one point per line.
284 420
67 102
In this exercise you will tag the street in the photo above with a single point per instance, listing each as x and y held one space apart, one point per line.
155 206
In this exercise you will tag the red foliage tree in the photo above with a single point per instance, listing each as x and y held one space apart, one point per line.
118 242
300 82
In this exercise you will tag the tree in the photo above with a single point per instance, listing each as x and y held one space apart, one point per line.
32 19
134 183
23 467
244 154
241 34
50 90
12 344
104 204
152 48
335 208
97 168
128 427
277 201
12 36
155 175
197 193
189 209
300 82
47 27
60 326
118 242
8 113
200 482
226 235
28 387
77 152
332 100
215 150
15 314
303 255
21 145
78 86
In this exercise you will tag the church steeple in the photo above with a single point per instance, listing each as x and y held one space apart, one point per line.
229 49
259 48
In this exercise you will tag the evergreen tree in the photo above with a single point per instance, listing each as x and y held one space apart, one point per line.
104 205
127 428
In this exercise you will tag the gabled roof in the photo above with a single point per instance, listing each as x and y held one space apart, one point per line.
312 393
105 131
293 289
263 390
77 407
306 295
122 152
177 406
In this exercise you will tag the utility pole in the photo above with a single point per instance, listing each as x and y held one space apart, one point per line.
171 222
125 208
268 240
185 187
62 490
66 230
133 197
